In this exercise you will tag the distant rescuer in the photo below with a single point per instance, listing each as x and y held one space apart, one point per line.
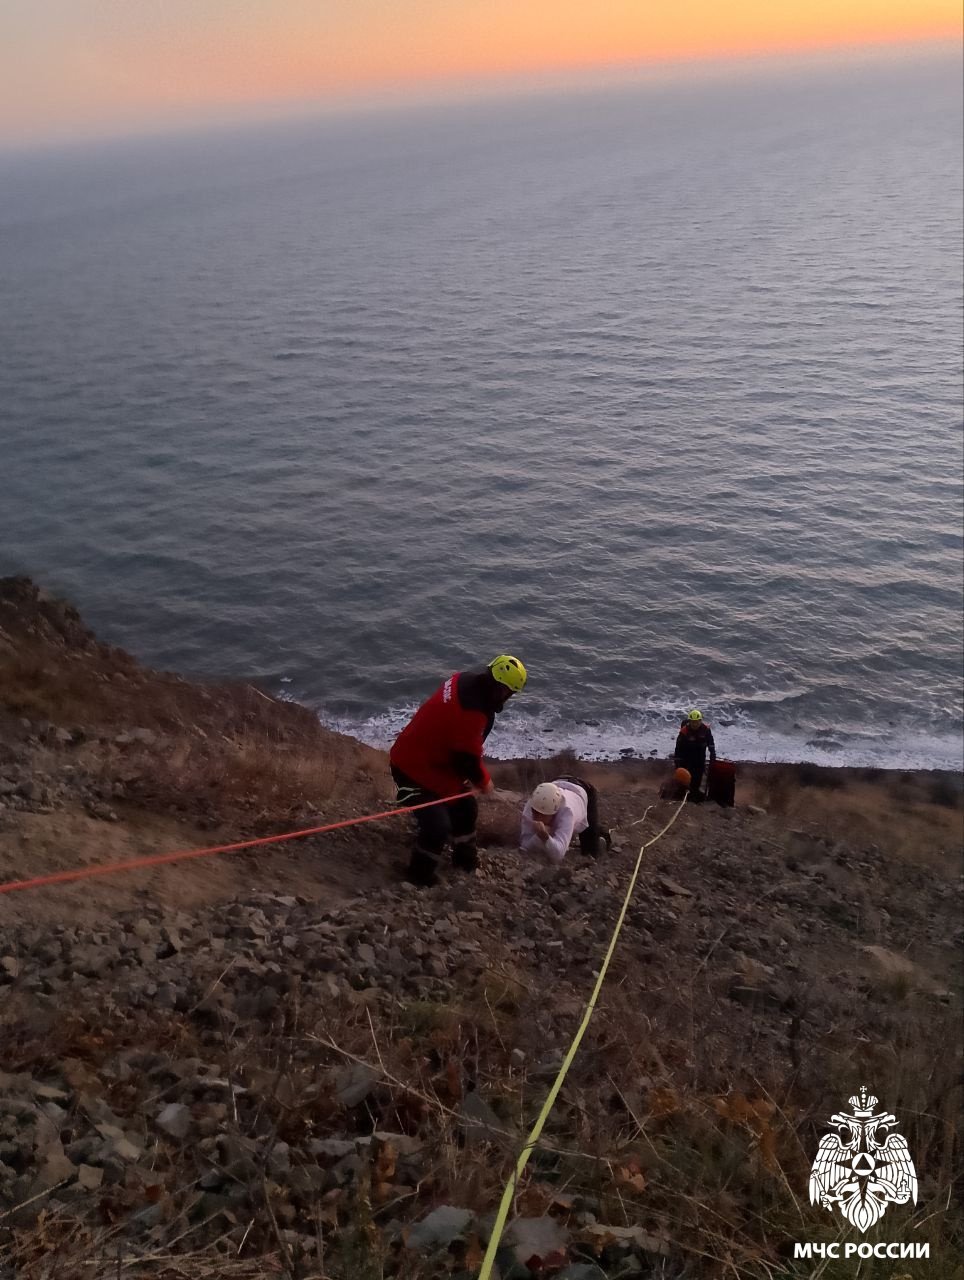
695 738
555 812
439 753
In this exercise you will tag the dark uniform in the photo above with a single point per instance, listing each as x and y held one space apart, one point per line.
694 740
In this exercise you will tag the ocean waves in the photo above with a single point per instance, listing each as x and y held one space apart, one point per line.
676 420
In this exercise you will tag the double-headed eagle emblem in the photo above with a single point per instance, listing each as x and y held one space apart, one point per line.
864 1166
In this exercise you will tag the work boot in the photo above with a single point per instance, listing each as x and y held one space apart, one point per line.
589 844
591 841
465 855
422 869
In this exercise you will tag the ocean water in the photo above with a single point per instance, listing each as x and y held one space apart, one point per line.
658 387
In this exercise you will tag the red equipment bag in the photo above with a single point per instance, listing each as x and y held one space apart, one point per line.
721 783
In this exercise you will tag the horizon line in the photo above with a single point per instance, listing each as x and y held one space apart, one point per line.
453 90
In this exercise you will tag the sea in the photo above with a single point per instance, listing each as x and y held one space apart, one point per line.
656 384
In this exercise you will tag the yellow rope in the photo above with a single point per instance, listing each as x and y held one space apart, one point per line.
500 1219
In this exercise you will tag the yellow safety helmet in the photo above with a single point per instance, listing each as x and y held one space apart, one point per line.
695 715
508 671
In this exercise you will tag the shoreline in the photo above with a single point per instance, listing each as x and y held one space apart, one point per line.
508 743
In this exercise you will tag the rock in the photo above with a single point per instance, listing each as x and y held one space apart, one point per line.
166 996
351 1169
442 1226
173 940
81 1150
55 1169
89 1177
506 1267
671 887
118 1144
900 971
758 999
517 1058
755 808
77 1074
305 1180
478 1119
266 1002
91 961
238 1156
330 1148
542 1241
175 1120
622 1239
143 737
9 968
354 1083
549 1067
114 1171
153 1215
104 812
402 1143
333 988
752 973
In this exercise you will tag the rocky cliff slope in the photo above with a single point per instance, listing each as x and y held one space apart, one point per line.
287 1062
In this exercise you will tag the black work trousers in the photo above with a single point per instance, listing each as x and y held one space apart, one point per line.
591 839
697 767
435 827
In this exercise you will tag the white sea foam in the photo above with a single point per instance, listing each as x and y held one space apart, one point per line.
654 737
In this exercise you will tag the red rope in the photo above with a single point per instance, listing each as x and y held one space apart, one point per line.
158 859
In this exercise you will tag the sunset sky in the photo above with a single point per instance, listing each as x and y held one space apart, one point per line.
75 67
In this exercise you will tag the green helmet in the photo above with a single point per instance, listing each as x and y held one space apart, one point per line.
695 715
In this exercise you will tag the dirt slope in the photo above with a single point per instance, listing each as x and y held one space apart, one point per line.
286 1062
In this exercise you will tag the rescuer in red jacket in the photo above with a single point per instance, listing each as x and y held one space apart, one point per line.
439 753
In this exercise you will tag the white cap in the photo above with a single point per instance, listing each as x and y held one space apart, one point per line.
547 798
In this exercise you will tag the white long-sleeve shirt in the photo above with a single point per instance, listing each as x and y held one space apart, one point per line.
569 821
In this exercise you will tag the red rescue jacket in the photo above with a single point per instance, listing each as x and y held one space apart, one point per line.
439 730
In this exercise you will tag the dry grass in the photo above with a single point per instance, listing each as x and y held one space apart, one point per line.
900 819
258 781
712 1159
523 775
221 750
499 826
103 690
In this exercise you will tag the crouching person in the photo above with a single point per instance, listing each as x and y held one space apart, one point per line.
555 812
